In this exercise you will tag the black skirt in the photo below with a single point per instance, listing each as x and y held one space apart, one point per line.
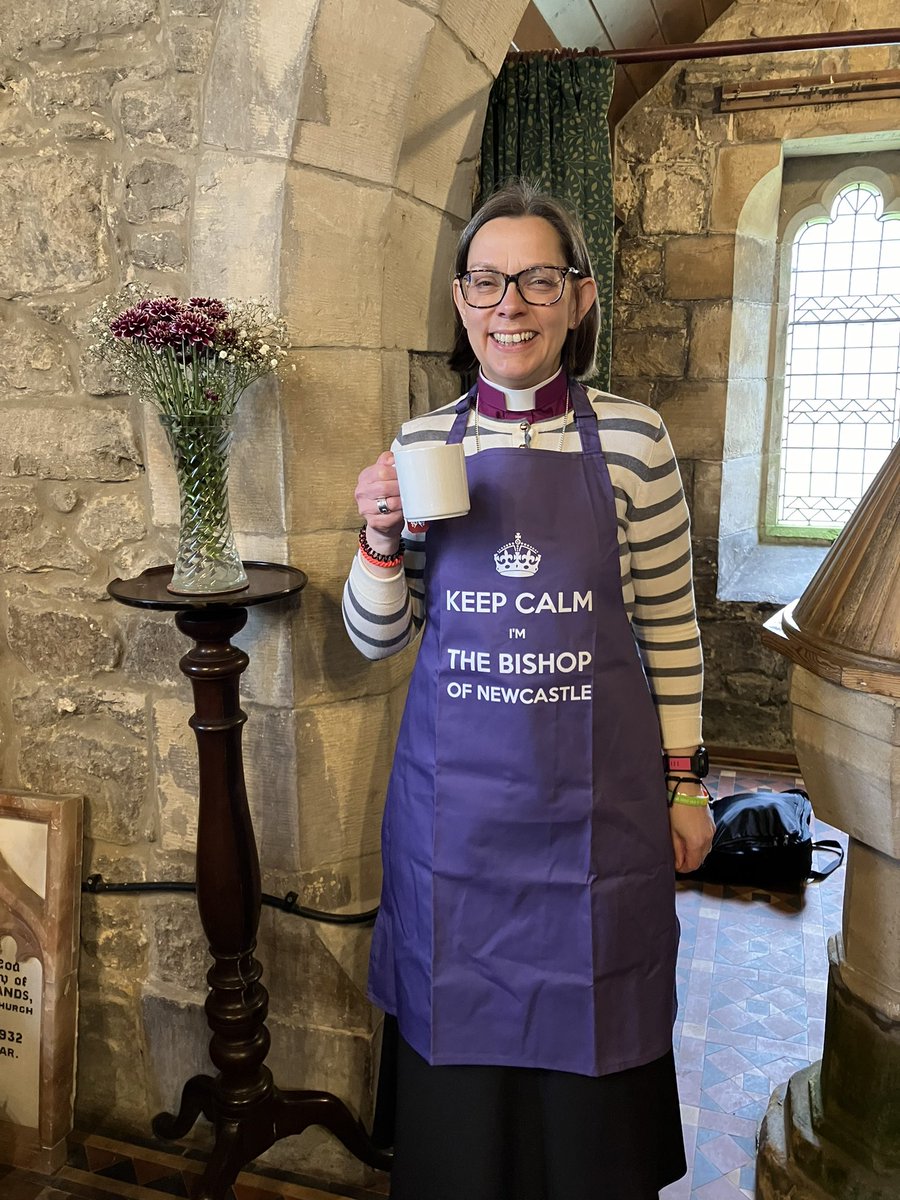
521 1133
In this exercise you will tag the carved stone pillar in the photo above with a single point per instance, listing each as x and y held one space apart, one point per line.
834 1129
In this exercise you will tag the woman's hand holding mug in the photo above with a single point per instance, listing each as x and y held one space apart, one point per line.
378 500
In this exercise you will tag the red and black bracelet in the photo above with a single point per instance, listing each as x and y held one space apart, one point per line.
380 560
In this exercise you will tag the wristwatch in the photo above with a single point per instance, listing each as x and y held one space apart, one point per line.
697 764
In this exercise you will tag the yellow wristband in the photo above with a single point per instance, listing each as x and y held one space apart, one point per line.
691 801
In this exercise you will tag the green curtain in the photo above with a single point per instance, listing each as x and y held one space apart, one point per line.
546 121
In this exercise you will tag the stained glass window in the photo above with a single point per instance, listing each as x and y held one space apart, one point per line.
841 411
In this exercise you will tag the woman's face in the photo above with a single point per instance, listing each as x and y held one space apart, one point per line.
518 345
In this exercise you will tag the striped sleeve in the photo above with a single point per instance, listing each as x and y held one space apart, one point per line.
664 617
383 613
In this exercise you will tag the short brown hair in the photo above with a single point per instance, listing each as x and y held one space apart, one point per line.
519 198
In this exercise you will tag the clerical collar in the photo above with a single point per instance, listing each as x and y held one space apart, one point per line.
540 403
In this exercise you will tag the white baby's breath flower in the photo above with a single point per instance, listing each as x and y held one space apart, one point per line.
223 354
274 362
231 358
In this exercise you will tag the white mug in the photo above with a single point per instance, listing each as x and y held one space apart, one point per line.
432 478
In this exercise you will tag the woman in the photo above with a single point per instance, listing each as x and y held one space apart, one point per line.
527 937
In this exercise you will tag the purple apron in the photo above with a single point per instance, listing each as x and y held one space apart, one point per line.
528 908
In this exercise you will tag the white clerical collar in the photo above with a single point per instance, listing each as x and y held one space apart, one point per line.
522 399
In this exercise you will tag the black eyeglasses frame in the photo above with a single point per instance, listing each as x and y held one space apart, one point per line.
565 271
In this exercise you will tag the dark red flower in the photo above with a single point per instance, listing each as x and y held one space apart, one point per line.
164 307
159 336
214 309
212 397
193 329
132 323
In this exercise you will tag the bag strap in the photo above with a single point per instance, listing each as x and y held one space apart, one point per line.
833 848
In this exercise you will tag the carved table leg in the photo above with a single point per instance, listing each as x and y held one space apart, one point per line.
248 1111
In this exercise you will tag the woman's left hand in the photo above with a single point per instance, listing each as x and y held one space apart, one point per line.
692 835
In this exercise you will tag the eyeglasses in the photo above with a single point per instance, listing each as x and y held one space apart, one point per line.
537 285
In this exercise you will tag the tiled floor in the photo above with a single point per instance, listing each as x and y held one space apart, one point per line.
751 986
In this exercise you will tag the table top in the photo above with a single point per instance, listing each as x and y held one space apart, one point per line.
266 582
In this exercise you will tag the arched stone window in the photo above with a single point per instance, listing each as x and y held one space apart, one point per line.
836 408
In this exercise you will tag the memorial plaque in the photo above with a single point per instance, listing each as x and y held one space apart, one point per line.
40 902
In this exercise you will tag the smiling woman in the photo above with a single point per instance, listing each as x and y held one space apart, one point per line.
525 946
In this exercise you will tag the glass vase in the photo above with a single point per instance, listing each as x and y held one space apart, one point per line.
207 560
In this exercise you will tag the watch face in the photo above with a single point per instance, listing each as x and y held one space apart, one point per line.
700 762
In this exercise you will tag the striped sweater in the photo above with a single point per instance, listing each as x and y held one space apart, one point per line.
383 613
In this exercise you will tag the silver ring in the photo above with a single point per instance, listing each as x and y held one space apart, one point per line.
382 505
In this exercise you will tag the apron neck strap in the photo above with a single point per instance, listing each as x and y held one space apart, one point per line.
585 418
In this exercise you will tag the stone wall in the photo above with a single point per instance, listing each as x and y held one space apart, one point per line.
322 154
697 192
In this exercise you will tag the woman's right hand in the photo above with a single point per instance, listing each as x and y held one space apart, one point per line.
379 481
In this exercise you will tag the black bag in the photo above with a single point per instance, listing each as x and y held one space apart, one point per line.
764 840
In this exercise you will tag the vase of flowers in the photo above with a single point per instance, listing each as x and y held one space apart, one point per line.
192 360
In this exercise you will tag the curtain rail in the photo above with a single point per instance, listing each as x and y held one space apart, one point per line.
691 50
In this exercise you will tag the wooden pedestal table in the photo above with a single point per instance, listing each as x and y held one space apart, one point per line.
249 1113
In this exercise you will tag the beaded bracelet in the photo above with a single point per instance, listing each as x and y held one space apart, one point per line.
376 559
690 801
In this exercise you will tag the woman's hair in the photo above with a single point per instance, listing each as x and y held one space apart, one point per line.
519 198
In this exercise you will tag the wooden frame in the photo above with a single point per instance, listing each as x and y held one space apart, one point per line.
44 922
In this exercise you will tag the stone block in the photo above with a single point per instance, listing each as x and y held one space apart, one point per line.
417 306
111 1088
700 268
158 251
673 200
742 172
179 953
649 355
741 494
160 115
109 519
269 773
156 191
99 762
176 1036
53 642
238 208
485 27
444 126
60 243
31 25
260 53
708 357
113 936
307 984
41 707
705 496
327 666
337 394
32 359
745 426
344 752
31 542
56 92
431 383
649 135
755 269
190 46
87 442
694 414
745 723
751 339
657 316
153 649
336 232
340 122
637 258
195 8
